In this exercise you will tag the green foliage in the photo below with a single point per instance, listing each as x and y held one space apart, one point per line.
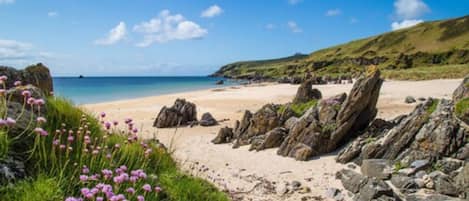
370 139
329 128
41 188
4 144
428 72
462 109
299 108
399 166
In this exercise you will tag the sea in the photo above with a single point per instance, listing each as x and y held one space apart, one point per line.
102 89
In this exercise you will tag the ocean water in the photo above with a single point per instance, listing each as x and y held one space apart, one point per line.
102 89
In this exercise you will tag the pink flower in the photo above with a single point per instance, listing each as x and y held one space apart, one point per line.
70 138
128 120
99 199
108 156
3 123
17 83
130 190
41 132
95 152
56 142
83 178
85 170
84 191
3 78
157 189
39 102
41 120
115 123
147 187
140 198
103 114
2 92
31 101
107 125
117 146
10 121
62 146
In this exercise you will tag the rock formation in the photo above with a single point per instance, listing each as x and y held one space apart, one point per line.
428 149
207 120
306 93
335 121
462 91
181 113
37 75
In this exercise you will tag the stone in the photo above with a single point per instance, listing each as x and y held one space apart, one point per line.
419 164
430 197
405 183
421 99
374 189
37 75
444 185
295 184
329 108
290 122
410 99
462 181
273 138
379 168
462 91
225 135
306 93
334 194
219 82
208 120
301 152
304 189
351 180
181 113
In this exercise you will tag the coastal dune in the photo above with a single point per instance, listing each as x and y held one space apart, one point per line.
248 174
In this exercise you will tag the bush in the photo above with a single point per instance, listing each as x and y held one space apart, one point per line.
462 109
41 188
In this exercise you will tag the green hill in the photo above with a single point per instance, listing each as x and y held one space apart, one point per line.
436 49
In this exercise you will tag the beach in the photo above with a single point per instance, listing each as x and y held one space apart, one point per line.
251 175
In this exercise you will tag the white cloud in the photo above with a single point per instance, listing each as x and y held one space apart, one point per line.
353 20
52 14
211 11
115 35
270 26
294 27
333 12
13 50
7 1
410 9
294 2
167 27
405 24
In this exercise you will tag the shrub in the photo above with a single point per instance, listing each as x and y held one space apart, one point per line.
40 188
462 109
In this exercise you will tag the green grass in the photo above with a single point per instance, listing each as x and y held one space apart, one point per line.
298 109
59 170
428 73
462 109
4 145
41 188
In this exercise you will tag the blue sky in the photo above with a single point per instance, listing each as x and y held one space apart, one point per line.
175 37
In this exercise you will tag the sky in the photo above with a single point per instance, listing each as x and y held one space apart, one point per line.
181 37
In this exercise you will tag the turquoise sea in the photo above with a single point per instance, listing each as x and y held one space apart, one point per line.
102 89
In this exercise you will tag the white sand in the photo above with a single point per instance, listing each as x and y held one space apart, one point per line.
251 175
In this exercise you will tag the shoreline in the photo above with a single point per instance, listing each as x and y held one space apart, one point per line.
233 170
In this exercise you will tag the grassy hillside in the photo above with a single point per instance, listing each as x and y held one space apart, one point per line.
440 44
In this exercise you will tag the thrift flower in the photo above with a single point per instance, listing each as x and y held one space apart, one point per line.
147 187
140 198
17 83
10 121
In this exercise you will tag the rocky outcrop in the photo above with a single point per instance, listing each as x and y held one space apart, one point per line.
181 113
462 91
207 120
271 139
337 120
37 75
306 93
225 135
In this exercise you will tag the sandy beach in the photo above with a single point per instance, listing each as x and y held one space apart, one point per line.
256 175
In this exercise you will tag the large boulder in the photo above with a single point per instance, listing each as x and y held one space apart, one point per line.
37 75
271 139
378 168
225 135
336 121
207 120
181 113
306 93
462 91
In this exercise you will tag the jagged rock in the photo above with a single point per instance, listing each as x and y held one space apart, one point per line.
306 93
410 99
290 122
355 115
444 185
462 181
261 122
208 120
335 194
181 113
374 189
379 168
404 183
351 180
37 75
462 91
219 82
11 169
225 135
271 139
301 152
329 108
431 197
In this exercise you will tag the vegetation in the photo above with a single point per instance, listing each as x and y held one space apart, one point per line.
430 50
298 109
462 109
73 156
399 166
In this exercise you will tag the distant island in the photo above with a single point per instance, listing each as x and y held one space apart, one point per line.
406 54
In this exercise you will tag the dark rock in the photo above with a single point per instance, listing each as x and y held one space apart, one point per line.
11 169
462 91
290 122
208 120
301 152
421 99
410 99
219 82
462 181
335 194
448 165
444 185
351 180
431 197
419 164
379 168
306 93
329 108
225 135
181 113
374 189
404 183
273 138
37 75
